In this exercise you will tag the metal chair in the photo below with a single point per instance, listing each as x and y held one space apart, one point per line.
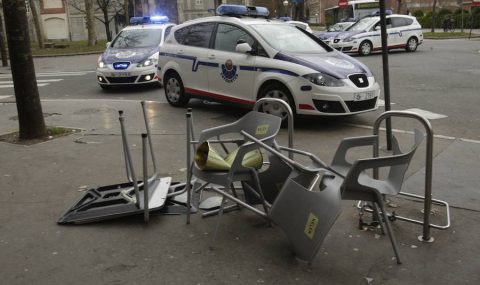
261 126
355 184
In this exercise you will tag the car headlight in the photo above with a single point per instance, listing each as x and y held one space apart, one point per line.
348 40
323 80
147 62
100 64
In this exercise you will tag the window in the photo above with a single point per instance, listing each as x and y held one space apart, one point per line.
197 35
398 22
137 38
167 31
229 36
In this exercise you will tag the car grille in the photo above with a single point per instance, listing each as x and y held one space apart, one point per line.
121 65
357 106
347 49
329 106
360 80
129 79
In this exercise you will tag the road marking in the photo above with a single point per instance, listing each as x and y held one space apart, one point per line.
5 96
381 103
426 114
51 74
38 80
11 85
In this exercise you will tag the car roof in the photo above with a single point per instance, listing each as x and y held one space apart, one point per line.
230 19
147 26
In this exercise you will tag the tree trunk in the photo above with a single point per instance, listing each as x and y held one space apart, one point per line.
30 115
107 24
125 9
36 21
3 47
433 16
90 18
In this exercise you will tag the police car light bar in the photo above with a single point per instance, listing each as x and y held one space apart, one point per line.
240 10
148 20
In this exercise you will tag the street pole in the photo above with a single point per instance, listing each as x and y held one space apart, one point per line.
386 76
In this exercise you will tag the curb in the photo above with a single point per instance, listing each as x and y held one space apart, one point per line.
67 54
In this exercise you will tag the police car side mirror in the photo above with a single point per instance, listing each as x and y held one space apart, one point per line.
243 48
108 44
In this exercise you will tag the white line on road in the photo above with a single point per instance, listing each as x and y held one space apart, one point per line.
11 85
50 74
5 96
39 80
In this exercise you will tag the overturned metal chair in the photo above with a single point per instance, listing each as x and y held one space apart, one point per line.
355 183
237 165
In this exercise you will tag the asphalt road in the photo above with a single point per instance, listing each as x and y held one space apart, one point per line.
442 77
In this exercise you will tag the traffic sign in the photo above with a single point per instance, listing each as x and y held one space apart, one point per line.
342 4
476 3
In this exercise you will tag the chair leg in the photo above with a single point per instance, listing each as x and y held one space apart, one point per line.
376 212
217 226
259 187
389 230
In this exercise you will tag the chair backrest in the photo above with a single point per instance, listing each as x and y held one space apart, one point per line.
358 183
260 125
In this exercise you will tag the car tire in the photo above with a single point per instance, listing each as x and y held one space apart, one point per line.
278 91
174 90
411 45
365 48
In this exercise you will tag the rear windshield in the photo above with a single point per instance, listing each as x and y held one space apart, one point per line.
287 38
138 38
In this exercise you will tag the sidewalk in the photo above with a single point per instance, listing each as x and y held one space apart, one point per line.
38 183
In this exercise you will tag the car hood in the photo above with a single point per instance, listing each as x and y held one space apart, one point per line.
348 34
327 35
334 63
134 55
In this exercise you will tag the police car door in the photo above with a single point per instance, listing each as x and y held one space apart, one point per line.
191 56
232 78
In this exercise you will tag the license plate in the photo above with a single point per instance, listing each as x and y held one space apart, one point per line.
120 74
360 96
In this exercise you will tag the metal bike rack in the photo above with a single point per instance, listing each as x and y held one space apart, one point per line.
428 175
290 118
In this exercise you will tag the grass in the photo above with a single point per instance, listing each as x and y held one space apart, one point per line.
442 35
73 47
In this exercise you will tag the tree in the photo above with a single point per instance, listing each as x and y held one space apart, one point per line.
36 21
433 16
90 21
3 47
30 115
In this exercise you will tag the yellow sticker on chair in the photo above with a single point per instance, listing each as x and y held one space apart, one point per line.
261 129
311 225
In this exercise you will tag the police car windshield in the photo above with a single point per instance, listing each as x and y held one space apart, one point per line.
361 25
138 38
287 38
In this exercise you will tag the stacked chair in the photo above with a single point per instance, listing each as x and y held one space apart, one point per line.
303 199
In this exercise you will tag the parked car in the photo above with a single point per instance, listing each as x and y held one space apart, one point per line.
334 30
131 58
363 37
240 57
301 25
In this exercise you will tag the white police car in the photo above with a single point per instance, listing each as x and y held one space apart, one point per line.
131 58
241 56
363 37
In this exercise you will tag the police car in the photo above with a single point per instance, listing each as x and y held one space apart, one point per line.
131 58
404 32
241 56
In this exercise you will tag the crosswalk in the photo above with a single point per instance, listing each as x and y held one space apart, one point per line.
7 82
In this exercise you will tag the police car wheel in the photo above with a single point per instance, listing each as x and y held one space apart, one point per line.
365 48
411 45
277 91
174 91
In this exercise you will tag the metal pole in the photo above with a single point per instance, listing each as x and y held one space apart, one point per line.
386 76
128 159
122 130
189 174
147 127
145 179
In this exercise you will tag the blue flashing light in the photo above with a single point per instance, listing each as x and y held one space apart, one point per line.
240 10
148 20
